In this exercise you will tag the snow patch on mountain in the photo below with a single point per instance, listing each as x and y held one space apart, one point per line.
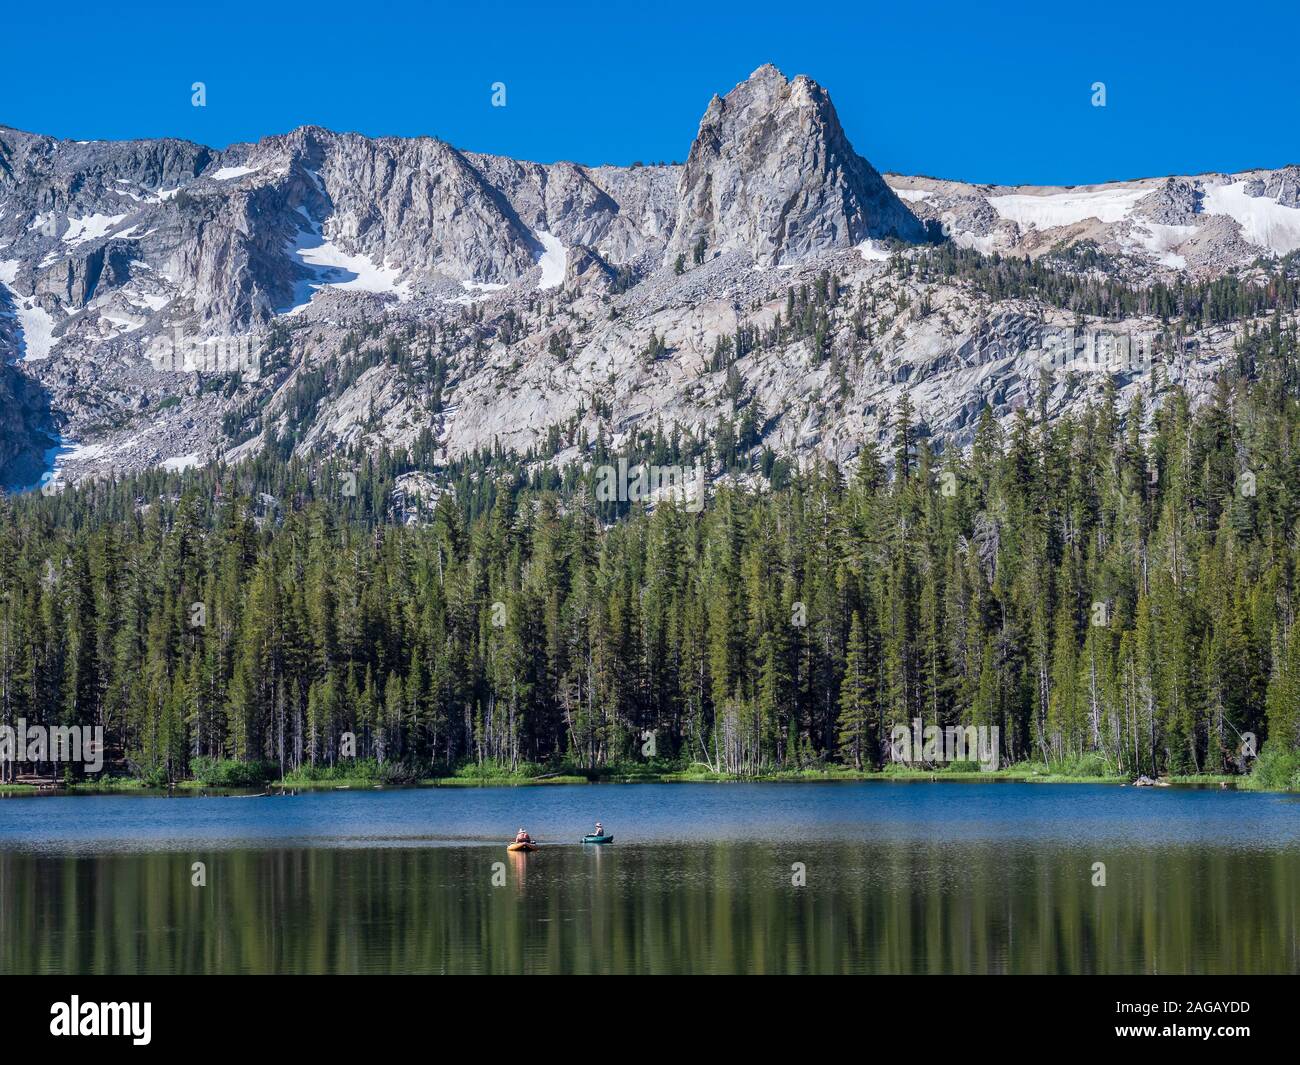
476 291
34 322
229 173
872 252
1263 220
1050 210
554 260
1162 240
333 267
153 301
121 325
92 227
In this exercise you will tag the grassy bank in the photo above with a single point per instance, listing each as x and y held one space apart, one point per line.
1272 773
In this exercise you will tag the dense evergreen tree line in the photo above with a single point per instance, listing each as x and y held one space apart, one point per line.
1109 587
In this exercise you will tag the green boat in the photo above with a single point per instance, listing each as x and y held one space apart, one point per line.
597 839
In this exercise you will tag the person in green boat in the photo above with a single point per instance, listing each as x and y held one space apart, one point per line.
600 829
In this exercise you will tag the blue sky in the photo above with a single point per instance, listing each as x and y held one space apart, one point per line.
984 92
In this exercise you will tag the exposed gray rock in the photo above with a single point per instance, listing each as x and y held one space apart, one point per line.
772 174
961 212
1174 203
585 267
1281 185
569 202
25 426
1217 245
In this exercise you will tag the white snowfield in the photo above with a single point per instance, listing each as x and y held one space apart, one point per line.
1161 240
554 260
229 173
475 292
1263 221
154 301
335 268
121 325
38 329
71 451
34 322
92 227
872 252
1067 208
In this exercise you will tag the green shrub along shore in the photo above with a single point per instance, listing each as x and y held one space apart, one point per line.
1272 771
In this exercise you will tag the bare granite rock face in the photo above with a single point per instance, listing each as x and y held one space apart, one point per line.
423 205
1280 185
24 427
1174 203
54 177
572 203
772 174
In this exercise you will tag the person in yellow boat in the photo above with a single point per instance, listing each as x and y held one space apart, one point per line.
523 837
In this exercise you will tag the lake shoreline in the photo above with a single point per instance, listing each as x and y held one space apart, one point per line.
130 786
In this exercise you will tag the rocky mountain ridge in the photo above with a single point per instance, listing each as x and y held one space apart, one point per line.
555 302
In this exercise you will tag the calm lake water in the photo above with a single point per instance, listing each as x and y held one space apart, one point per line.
899 878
